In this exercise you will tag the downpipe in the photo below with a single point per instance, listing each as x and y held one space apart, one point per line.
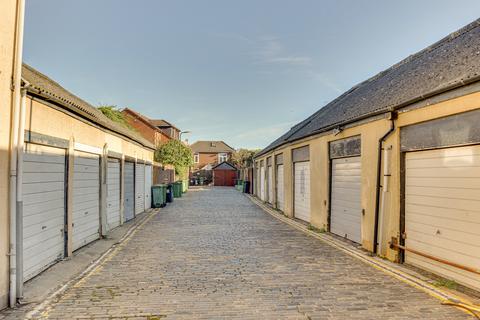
19 204
376 243
14 142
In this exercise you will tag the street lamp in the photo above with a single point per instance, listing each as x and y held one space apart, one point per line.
184 132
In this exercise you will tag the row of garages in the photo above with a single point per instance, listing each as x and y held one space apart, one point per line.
81 175
46 173
403 183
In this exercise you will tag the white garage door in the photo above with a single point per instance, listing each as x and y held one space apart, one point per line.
302 190
270 184
442 210
262 183
148 187
129 192
280 190
86 199
346 211
113 194
43 208
139 188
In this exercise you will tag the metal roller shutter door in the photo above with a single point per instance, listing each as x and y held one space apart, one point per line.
346 213
148 187
129 192
302 190
442 211
270 184
86 199
43 208
280 190
262 183
139 188
113 194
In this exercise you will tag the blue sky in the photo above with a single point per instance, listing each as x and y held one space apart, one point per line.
239 71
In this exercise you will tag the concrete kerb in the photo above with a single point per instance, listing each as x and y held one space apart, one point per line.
446 298
44 306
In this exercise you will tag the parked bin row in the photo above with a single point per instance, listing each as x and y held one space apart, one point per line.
165 193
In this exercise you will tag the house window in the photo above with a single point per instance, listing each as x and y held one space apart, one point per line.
196 158
222 157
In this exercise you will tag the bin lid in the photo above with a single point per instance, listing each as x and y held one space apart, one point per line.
159 185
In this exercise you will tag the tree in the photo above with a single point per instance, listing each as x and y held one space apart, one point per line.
175 153
243 158
113 113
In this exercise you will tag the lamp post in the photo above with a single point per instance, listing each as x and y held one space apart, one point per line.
184 132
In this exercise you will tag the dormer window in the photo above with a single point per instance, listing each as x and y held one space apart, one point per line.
213 144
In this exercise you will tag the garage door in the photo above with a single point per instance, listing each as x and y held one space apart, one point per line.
346 210
442 210
302 190
86 199
262 183
148 187
270 184
129 192
43 208
280 190
113 194
139 188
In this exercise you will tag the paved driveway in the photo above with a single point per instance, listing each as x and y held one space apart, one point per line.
215 255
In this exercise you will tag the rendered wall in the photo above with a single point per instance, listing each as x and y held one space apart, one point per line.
7 39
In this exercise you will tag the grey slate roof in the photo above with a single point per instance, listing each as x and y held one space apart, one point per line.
224 166
207 147
451 62
47 89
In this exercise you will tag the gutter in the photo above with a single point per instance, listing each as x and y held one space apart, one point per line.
15 136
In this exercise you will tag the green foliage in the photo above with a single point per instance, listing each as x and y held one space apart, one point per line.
243 158
449 284
113 113
315 229
177 154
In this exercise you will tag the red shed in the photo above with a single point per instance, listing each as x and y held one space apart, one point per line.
224 174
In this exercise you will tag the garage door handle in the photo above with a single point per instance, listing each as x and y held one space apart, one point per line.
44 227
85 213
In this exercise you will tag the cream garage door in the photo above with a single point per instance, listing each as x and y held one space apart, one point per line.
139 188
442 211
113 194
302 190
270 184
346 211
262 183
129 191
43 208
148 187
86 199
280 190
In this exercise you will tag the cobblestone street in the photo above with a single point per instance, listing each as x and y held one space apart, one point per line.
215 255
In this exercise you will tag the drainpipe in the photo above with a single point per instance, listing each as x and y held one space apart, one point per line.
14 138
19 204
376 244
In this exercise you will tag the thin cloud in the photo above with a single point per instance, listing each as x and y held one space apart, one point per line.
270 50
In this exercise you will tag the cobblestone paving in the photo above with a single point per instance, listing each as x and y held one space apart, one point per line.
215 255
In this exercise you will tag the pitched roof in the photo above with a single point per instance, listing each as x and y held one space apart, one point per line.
162 123
211 147
224 166
144 119
47 89
449 63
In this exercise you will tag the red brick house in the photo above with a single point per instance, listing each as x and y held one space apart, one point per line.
145 127
167 128
207 154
